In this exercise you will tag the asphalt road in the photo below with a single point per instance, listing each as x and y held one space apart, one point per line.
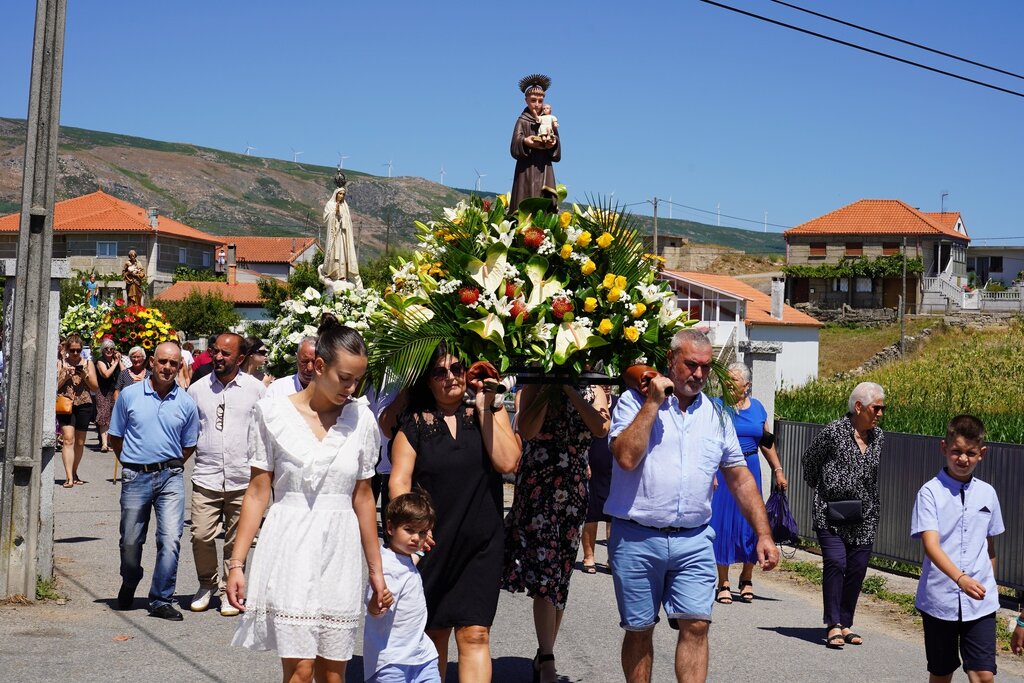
778 637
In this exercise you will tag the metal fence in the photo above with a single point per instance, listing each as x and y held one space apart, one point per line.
908 461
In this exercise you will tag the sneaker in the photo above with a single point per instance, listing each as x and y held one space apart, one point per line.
166 612
125 597
201 602
226 610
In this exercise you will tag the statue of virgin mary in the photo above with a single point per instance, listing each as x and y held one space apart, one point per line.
340 262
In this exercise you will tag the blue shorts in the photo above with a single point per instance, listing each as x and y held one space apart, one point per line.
407 673
653 569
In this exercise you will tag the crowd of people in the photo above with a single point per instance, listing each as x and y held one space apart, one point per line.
674 474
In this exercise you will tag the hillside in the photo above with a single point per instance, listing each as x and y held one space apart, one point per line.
226 193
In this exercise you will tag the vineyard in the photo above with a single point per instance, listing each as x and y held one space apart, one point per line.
962 371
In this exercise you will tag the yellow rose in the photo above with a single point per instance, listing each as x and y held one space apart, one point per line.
505 198
604 327
609 281
621 282
564 219
631 333
566 251
589 304
605 240
614 294
588 267
639 310
584 239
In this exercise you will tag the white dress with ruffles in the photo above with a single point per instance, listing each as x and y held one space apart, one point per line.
308 573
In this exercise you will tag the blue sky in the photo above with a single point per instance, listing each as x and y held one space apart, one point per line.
669 99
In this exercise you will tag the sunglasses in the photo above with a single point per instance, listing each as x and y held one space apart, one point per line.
74 350
220 418
440 373
261 352
878 409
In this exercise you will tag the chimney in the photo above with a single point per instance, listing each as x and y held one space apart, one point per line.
152 211
778 294
231 264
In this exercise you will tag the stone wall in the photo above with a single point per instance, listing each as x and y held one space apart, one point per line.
978 319
889 354
866 317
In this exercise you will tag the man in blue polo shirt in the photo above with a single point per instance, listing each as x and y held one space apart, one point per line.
667 446
153 430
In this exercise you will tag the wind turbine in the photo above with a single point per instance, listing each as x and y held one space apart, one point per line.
442 175
249 148
296 155
479 175
341 160
389 167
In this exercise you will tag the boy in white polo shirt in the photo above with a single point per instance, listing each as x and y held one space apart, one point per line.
396 649
956 517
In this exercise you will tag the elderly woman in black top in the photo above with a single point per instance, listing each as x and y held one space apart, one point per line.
841 465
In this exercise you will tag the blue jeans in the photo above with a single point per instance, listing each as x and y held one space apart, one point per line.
142 492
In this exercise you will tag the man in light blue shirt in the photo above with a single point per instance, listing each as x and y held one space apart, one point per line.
957 516
667 447
153 430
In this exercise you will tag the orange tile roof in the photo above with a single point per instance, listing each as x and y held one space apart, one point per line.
266 249
759 304
878 217
239 293
101 212
947 218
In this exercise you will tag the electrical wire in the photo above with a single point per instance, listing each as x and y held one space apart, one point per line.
898 40
723 215
863 48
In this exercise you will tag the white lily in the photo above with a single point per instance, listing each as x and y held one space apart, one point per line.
489 328
311 294
573 337
489 274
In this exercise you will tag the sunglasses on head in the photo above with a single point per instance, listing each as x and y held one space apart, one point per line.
440 373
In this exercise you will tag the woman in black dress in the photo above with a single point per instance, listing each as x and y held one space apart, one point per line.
457 454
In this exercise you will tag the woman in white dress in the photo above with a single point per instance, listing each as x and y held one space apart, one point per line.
317 448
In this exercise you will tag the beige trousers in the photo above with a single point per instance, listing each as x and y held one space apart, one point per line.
211 512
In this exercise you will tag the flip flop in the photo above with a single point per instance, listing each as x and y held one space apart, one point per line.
79 482
835 642
590 568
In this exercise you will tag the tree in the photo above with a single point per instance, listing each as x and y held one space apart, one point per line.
273 292
376 272
201 314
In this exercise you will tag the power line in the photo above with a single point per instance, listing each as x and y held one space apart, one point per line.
864 49
723 215
898 40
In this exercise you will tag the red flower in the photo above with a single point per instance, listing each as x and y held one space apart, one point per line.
560 306
469 295
518 308
533 237
487 205
510 290
119 302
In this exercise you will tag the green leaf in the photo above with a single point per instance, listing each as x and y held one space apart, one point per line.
572 337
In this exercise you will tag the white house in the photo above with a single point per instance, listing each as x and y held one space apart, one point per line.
737 315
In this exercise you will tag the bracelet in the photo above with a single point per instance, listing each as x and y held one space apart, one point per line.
1020 622
777 469
236 564
960 577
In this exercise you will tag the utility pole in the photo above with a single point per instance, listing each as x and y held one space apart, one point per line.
903 301
26 498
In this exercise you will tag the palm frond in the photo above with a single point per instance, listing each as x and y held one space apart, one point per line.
403 351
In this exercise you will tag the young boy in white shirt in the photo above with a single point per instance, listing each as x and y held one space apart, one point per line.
396 648
957 516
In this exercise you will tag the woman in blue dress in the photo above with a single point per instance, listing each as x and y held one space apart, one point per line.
735 540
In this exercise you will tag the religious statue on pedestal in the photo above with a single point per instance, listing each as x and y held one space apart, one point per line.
133 275
340 262
533 149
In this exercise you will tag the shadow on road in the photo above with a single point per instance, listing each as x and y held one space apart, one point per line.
811 634
76 539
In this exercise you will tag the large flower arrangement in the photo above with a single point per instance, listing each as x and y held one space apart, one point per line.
132 326
351 304
558 291
83 319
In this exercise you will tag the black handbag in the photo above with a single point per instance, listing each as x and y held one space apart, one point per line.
844 511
